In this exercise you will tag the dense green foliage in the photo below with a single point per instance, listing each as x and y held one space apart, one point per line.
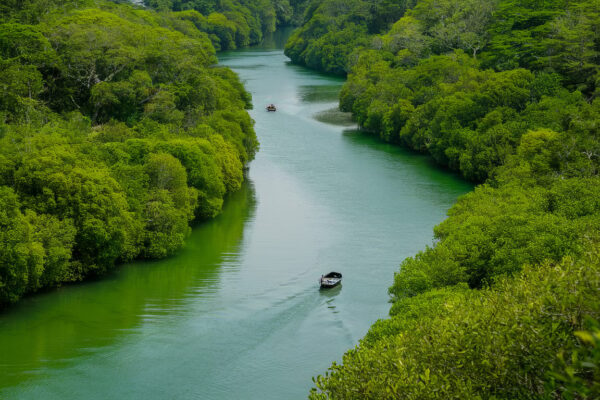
233 24
463 80
506 34
474 120
116 131
501 343
334 29
504 92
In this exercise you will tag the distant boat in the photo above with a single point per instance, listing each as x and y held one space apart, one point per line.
330 280
271 107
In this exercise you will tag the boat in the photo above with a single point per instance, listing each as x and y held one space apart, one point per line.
271 107
330 280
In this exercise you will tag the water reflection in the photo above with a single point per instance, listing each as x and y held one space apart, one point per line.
334 116
326 200
319 93
356 137
250 66
277 39
331 292
51 330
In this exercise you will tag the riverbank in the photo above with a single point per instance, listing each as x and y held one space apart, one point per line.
116 132
462 83
238 310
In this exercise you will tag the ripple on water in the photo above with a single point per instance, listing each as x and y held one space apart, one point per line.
238 313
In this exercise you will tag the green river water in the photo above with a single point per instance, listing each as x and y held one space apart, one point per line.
237 314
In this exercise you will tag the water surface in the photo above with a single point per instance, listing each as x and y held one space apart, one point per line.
237 314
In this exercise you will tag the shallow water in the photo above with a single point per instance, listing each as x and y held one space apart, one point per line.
238 314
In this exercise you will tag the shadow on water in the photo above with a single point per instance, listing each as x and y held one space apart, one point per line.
334 116
271 41
319 93
277 39
238 313
54 329
330 292
431 170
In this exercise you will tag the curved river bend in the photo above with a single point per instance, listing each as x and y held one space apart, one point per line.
237 314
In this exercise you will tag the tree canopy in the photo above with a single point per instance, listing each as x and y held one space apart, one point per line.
117 130
234 23
505 93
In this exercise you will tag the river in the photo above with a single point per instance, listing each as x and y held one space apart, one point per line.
238 314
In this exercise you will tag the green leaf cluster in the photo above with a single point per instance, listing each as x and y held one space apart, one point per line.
116 131
334 30
505 93
473 120
531 336
495 231
233 23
